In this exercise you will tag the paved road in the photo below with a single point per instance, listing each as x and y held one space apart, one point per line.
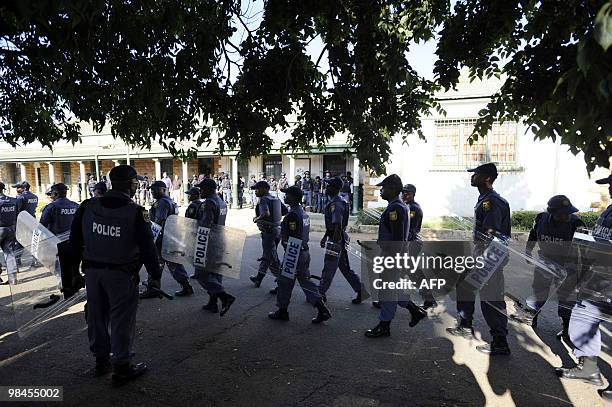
245 359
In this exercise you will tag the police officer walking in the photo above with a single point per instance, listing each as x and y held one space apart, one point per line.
416 220
8 220
296 224
26 200
491 217
268 213
557 224
394 227
212 211
112 236
336 215
57 216
163 207
587 314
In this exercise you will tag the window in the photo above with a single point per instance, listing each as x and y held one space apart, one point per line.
272 165
335 164
66 175
453 151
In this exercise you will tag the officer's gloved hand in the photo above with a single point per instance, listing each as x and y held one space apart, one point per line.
154 283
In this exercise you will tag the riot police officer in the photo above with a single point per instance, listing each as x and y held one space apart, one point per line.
26 200
492 217
296 224
163 207
212 211
268 213
193 196
57 216
8 220
307 189
416 220
112 236
588 312
336 215
394 227
557 224
283 184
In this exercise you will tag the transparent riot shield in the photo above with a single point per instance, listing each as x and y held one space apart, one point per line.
217 249
514 281
36 288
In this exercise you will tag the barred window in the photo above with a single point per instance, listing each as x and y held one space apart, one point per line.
453 151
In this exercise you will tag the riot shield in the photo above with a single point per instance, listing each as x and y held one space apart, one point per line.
291 258
217 249
36 290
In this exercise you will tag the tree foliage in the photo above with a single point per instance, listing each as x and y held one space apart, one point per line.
188 70
556 60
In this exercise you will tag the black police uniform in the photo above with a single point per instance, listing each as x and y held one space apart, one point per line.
8 221
270 233
27 201
112 235
416 220
58 215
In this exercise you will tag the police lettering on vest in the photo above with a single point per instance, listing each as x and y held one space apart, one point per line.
106 230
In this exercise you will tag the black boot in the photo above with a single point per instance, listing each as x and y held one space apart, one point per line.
186 291
103 366
362 295
124 373
323 313
274 290
586 370
146 294
499 346
376 304
226 302
380 330
463 329
280 314
416 314
212 304
257 279
606 394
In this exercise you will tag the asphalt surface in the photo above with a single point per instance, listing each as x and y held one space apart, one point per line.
245 359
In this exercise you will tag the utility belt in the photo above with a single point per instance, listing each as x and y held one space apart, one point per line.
132 268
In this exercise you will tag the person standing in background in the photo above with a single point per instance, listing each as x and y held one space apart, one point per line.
177 190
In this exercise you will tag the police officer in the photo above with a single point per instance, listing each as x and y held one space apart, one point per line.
212 211
557 224
416 220
253 197
268 213
491 216
193 196
283 184
297 224
273 186
394 227
587 314
8 220
336 215
26 200
58 215
100 189
307 188
112 236
316 194
324 197
163 207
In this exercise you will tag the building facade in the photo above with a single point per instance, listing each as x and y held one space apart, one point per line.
530 171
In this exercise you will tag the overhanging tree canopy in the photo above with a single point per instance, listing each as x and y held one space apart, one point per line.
157 70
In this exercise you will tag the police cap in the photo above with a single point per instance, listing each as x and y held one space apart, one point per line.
207 183
561 204
488 169
295 192
60 186
409 188
158 184
101 186
393 181
607 180
335 182
193 191
261 184
22 184
123 173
